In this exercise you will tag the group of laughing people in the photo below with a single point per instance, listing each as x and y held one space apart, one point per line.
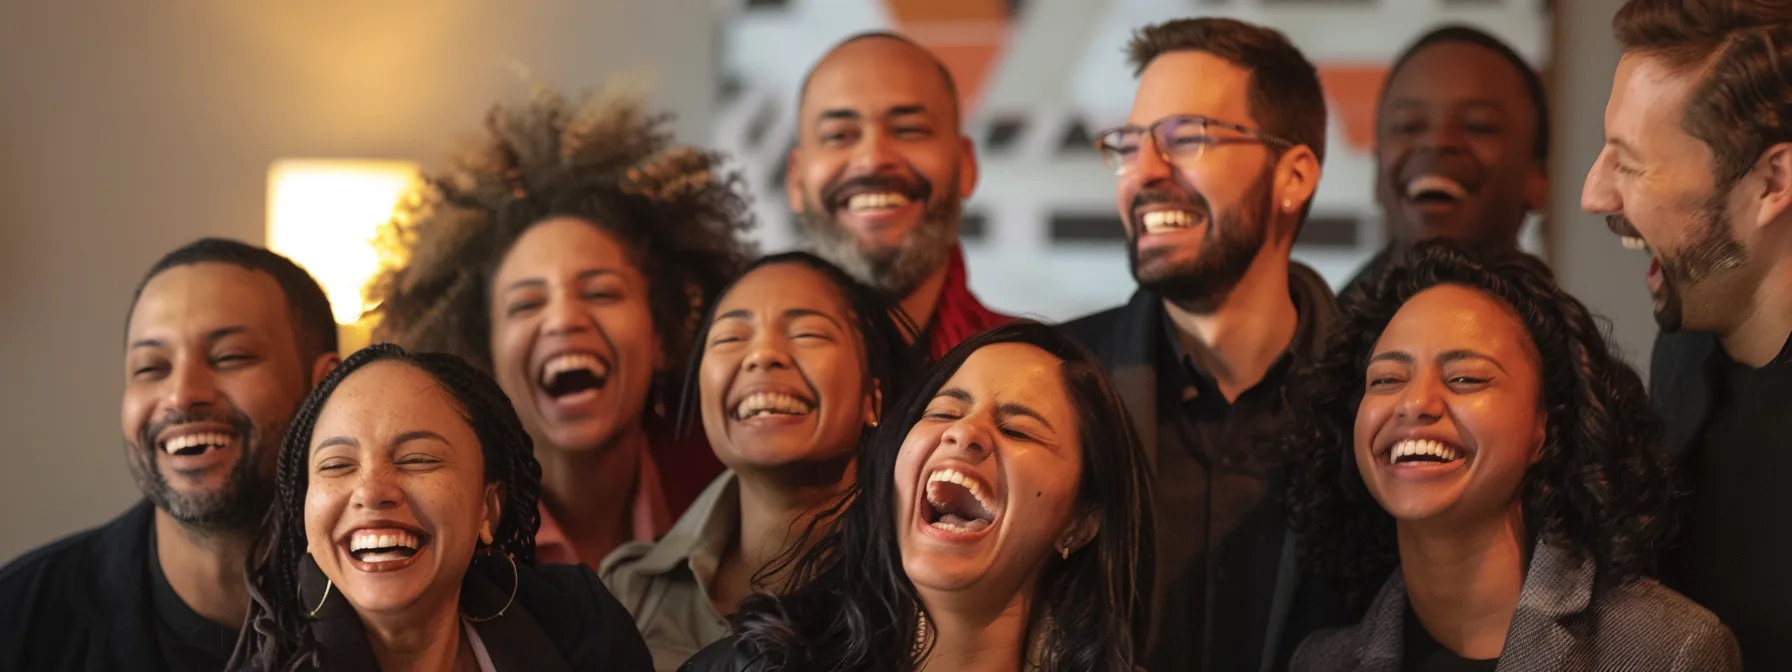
596 433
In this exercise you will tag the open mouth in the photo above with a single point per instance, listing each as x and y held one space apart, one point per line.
196 444
772 404
1163 220
374 546
571 373
959 503
1435 189
873 202
1424 452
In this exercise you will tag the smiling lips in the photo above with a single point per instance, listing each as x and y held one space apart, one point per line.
572 373
959 503
383 549
772 404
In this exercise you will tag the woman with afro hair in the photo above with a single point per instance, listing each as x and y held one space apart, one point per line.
569 253
1471 454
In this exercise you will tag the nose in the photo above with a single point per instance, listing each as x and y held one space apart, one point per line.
1422 402
1443 136
1148 165
971 435
192 385
565 315
378 489
875 152
767 353
1597 195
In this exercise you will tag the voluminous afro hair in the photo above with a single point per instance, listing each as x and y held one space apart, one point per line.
605 161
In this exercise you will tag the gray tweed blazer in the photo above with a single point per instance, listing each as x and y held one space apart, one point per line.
1561 623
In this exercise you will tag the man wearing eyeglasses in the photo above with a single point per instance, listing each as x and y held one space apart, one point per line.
1216 169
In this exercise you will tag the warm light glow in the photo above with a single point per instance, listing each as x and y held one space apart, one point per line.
324 215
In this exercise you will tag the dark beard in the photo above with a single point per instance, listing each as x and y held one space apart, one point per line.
1234 238
1711 252
894 272
238 504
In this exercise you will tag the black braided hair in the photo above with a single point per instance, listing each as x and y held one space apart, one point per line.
1600 488
277 633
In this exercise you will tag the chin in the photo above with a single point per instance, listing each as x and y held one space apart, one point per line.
581 436
941 574
371 600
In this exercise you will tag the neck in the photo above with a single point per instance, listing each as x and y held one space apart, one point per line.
920 304
1762 335
591 493
205 568
433 644
967 637
775 510
1464 581
1239 339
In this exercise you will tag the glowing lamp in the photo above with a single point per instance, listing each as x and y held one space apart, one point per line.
324 215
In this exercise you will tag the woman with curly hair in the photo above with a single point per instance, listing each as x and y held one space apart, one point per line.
401 536
570 254
1469 432
996 525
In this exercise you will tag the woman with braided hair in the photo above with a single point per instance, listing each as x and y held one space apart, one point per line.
402 536
570 255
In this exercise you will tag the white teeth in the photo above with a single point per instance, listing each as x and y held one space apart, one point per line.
766 403
572 361
1633 243
1422 447
951 475
1435 183
180 443
878 201
365 539
1158 221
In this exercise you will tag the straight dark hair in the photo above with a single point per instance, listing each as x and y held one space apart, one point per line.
853 607
277 633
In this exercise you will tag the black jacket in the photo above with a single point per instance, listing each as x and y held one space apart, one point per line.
728 655
1682 384
83 603
1125 340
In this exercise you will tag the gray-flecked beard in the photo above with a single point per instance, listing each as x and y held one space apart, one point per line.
238 504
1713 251
894 272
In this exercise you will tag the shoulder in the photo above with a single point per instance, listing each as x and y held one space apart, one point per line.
1329 649
1095 327
728 655
1677 355
1642 620
619 570
57 592
581 617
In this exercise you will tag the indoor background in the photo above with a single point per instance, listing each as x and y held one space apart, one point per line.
131 128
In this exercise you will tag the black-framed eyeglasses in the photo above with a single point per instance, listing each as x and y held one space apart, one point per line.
1179 140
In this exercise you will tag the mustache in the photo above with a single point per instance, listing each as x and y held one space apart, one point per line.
1159 195
235 418
913 186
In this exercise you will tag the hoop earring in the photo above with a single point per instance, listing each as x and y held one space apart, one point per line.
921 631
507 603
320 603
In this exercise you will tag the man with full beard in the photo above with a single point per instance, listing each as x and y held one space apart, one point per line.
222 342
1216 168
878 178
1697 172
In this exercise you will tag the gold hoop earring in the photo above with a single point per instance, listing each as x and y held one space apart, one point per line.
320 603
914 652
513 584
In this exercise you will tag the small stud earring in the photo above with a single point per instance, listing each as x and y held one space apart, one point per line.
1064 550
1287 205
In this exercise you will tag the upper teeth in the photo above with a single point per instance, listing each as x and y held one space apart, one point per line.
180 443
951 475
1165 220
1421 447
572 361
1438 183
769 402
876 201
364 539
1633 243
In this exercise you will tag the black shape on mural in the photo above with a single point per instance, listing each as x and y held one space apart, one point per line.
1080 227
1329 230
1003 132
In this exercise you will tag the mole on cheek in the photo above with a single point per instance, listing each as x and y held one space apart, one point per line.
1036 495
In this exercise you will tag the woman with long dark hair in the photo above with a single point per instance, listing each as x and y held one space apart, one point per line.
1471 454
791 367
402 536
569 254
997 523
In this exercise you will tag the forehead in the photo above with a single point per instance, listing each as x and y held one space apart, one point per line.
1453 71
783 286
1647 101
563 245
190 302
1016 372
1192 82
387 398
1451 317
874 74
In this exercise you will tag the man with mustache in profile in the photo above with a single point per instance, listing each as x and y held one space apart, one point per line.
222 342
878 178
1216 169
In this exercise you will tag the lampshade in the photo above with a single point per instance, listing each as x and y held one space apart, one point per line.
324 214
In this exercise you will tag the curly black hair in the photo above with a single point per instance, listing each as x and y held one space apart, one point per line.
1601 487
852 606
606 162
277 633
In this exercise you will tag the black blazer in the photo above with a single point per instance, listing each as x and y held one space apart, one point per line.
1681 384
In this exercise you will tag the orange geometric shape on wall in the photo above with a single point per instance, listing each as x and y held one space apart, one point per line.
1352 91
968 36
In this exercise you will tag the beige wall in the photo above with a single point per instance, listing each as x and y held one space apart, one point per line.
129 128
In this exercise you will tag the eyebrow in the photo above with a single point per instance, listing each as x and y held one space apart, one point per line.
1008 409
538 282
847 114
212 336
401 439
1445 358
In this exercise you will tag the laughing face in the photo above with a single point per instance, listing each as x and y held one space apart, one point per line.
1454 147
397 501
880 170
1192 231
783 378
213 375
1451 416
573 343
1654 182
999 438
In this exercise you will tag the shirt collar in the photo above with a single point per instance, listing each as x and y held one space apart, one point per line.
701 535
648 519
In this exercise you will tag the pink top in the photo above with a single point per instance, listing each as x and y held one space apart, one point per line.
648 520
